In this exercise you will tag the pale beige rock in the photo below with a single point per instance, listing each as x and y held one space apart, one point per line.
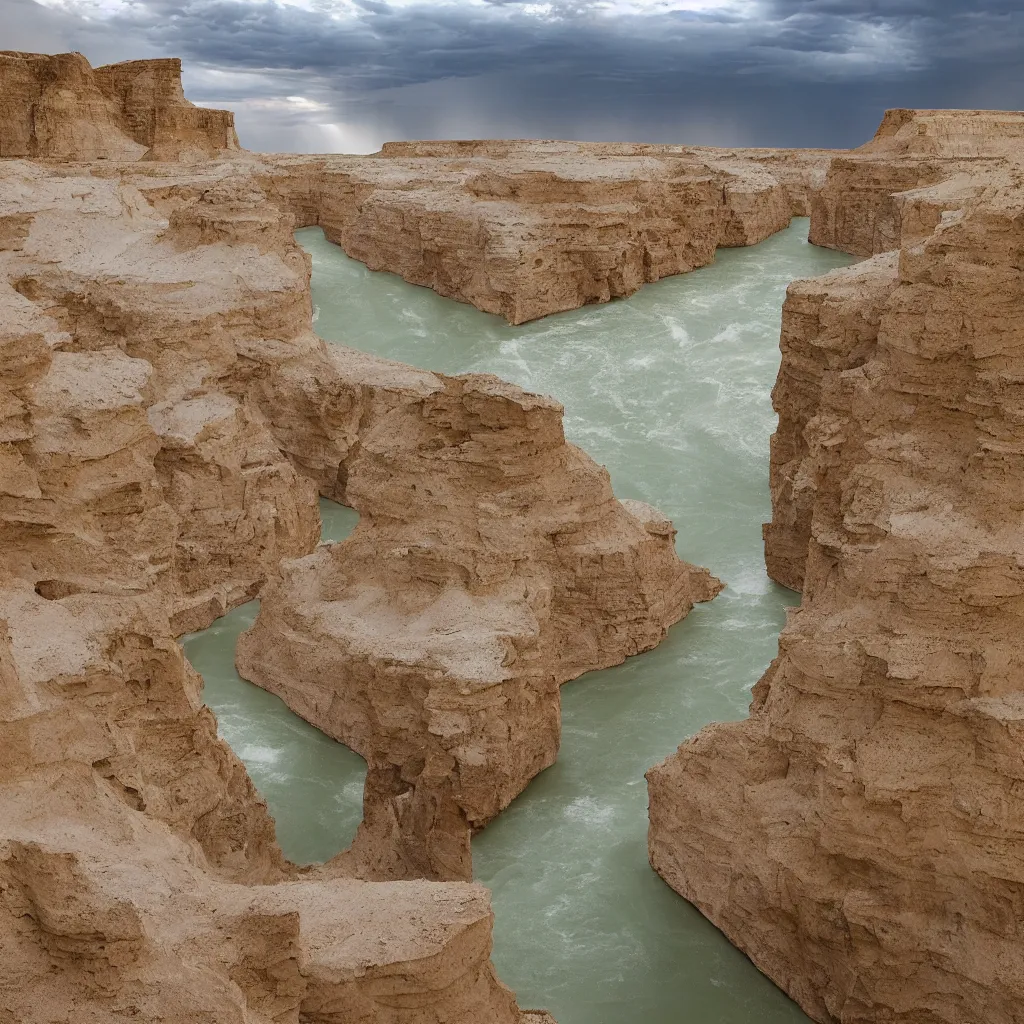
491 564
126 472
523 229
860 837
129 832
142 493
863 206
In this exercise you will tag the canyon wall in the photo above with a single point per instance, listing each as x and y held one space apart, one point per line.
861 207
860 835
525 229
167 419
143 492
491 563
59 108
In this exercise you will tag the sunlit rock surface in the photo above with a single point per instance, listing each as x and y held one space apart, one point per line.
491 563
860 835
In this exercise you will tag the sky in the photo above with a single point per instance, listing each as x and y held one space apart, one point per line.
347 75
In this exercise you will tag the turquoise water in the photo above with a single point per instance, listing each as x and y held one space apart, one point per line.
670 389
312 785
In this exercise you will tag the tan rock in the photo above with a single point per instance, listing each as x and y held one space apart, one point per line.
60 108
128 832
864 202
142 492
523 229
491 564
130 466
860 836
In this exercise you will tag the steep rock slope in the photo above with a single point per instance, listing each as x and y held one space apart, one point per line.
138 872
59 108
870 201
141 494
491 564
860 836
524 229
132 465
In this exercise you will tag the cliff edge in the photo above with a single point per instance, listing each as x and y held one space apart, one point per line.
860 835
59 108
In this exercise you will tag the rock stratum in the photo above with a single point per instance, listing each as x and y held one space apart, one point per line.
59 108
167 421
168 418
861 835
142 494
491 563
525 229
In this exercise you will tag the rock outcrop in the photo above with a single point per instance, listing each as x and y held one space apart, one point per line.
524 229
167 419
860 836
871 201
128 462
143 492
138 870
59 108
491 564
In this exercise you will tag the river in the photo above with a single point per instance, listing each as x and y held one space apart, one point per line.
670 389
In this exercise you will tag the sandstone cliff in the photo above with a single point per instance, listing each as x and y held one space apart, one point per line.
862 206
491 563
524 229
142 493
131 464
860 835
59 108
138 872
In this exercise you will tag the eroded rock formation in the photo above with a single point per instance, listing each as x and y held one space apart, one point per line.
491 563
142 493
133 459
59 108
524 229
139 876
167 418
860 836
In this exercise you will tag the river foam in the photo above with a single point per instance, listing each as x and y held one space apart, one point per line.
671 390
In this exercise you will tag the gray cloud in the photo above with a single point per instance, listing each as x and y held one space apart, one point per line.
350 73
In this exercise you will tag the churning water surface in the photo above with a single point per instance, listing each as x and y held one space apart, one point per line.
670 389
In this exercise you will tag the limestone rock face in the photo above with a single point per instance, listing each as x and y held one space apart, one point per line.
862 207
128 465
860 836
138 870
60 108
491 564
524 229
143 491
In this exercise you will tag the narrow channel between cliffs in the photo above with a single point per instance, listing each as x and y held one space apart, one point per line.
670 389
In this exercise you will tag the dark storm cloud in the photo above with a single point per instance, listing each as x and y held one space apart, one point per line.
379 46
789 72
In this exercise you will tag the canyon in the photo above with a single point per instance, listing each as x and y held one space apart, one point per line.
859 836
168 418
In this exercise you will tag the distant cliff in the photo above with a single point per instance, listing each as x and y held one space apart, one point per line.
59 108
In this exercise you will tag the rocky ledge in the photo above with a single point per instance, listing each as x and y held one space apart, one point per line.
524 229
167 420
861 835
491 563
